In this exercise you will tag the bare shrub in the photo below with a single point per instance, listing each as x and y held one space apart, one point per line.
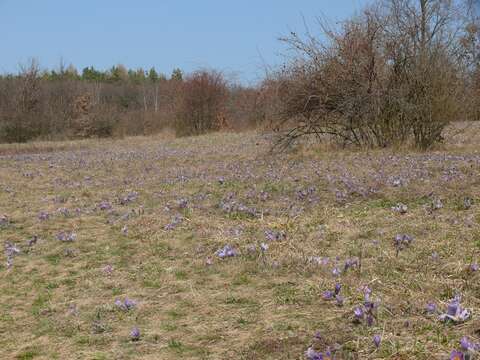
201 103
391 75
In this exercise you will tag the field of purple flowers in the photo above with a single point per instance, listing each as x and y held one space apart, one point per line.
212 248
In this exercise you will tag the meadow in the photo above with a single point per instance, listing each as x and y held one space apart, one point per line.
212 247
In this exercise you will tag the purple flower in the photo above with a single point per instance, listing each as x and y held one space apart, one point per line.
474 267
182 203
358 312
130 197
104 205
339 300
377 340
176 221
457 355
366 292
351 263
402 241
452 307
32 241
338 287
135 334
11 250
400 208
264 247
311 354
466 344
431 308
66 236
455 312
336 271
226 251
272 235
108 270
328 295
43 216
126 304
4 221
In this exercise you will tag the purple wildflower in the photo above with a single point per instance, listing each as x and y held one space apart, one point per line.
431 308
328 295
311 354
108 269
43 216
32 241
474 267
457 355
130 197
263 247
336 271
104 205
467 203
370 319
126 304
358 312
4 220
401 241
11 250
66 236
182 203
351 263
466 344
367 292
135 334
176 221
226 251
400 208
339 300
272 235
377 340
455 312
338 287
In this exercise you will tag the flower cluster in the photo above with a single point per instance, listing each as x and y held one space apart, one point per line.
126 304
335 294
226 251
400 208
402 241
272 235
11 250
455 312
66 236
367 311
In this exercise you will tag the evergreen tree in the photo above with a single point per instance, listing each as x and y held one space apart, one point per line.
177 75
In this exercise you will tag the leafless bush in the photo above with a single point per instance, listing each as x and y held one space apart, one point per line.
201 106
392 75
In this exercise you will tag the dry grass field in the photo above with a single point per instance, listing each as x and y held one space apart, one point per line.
86 225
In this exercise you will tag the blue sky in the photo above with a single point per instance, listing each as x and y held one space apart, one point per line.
237 37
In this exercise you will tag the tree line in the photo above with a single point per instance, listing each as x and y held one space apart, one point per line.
66 104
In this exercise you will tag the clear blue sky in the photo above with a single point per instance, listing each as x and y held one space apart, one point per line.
235 36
